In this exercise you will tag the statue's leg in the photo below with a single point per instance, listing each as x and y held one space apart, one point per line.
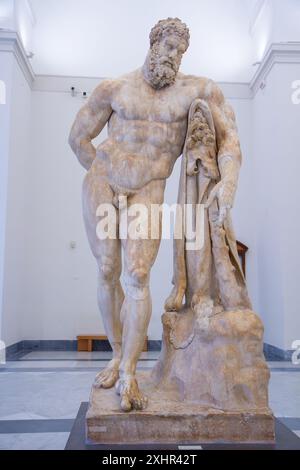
139 256
107 252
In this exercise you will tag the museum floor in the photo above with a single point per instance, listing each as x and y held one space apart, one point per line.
41 392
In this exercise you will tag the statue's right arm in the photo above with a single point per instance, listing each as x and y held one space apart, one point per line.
89 122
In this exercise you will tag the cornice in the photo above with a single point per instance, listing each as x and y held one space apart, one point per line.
278 53
11 43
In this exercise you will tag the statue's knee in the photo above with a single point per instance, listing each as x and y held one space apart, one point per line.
138 276
137 282
108 272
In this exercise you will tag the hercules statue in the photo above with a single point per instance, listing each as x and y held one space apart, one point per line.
147 112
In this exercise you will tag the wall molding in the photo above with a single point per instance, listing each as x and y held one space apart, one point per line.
17 350
63 84
10 43
278 53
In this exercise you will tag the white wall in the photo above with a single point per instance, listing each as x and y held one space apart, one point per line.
99 38
274 21
16 151
276 150
6 66
61 282
18 16
286 20
262 28
7 19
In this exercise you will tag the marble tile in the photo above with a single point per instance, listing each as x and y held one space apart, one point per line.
284 394
34 441
38 364
146 364
283 365
66 355
291 423
96 364
150 355
37 395
35 426
76 356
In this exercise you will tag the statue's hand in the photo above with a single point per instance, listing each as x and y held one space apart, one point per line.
225 196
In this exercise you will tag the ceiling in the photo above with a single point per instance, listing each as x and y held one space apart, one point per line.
103 38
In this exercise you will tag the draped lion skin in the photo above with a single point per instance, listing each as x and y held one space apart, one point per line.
147 115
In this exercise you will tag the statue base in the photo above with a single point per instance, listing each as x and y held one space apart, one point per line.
210 384
167 421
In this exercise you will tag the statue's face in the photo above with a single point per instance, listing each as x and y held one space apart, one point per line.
165 60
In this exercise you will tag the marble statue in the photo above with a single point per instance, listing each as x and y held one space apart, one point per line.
212 342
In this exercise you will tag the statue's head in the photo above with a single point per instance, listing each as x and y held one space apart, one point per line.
169 39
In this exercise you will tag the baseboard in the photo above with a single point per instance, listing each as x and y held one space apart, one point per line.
22 347
273 353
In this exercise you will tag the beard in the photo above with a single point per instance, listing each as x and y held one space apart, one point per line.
161 71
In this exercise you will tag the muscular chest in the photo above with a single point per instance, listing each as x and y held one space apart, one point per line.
133 102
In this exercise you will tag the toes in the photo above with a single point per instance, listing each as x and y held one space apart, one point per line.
99 380
139 403
145 402
125 403
98 383
100 375
107 383
106 379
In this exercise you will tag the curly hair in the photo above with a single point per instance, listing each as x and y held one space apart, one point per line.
169 26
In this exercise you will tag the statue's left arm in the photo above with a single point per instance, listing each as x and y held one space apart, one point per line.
229 150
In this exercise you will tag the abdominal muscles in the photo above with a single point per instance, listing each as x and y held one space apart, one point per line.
134 166
131 163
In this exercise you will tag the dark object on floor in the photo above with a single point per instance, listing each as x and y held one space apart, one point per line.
85 342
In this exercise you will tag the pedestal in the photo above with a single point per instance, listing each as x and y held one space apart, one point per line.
210 385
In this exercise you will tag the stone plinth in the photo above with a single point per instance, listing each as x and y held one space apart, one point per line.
169 421
210 384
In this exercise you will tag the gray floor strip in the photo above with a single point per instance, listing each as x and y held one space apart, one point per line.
284 369
36 426
292 423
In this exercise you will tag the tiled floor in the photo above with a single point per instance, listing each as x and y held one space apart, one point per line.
41 392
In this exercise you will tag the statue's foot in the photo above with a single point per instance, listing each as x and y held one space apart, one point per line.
130 394
174 301
109 376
